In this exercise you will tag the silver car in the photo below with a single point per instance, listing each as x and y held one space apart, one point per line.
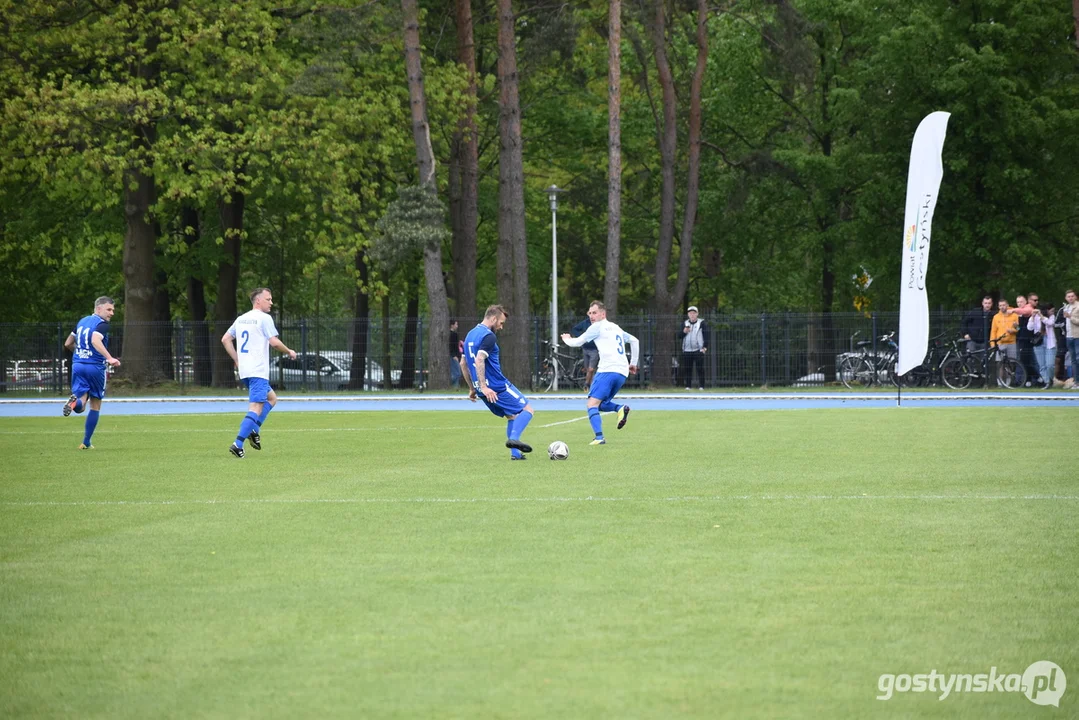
328 370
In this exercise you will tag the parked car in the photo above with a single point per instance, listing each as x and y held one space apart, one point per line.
330 369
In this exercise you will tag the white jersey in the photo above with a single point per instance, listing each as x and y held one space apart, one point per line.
253 331
611 342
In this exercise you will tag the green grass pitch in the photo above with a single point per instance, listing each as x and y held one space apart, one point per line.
397 564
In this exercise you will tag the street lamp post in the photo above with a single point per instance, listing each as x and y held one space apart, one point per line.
552 193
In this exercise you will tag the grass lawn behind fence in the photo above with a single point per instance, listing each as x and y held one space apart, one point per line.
397 564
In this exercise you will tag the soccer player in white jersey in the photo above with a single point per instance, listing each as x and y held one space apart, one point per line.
613 367
248 343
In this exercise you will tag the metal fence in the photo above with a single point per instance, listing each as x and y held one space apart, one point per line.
785 349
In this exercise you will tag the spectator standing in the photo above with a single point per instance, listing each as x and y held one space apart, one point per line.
1005 329
1024 307
589 351
976 325
455 355
1071 328
694 347
1043 338
1060 324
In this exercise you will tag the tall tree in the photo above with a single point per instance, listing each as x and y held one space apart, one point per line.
614 157
464 184
438 331
512 241
668 300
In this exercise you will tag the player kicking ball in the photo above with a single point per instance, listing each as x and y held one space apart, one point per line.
613 367
480 362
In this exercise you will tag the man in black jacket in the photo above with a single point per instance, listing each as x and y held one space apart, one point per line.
977 323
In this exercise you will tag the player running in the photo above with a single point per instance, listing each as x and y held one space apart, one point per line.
613 367
248 343
480 361
89 344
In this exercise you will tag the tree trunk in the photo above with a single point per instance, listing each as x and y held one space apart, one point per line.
438 331
361 321
512 241
162 334
1075 15
466 154
140 241
196 303
408 344
668 300
614 157
231 210
387 364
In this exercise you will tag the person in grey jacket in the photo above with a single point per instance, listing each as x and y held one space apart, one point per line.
694 348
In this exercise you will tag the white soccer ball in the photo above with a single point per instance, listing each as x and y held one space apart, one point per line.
558 450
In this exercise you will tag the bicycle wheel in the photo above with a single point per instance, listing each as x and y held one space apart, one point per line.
1011 374
956 374
856 373
545 378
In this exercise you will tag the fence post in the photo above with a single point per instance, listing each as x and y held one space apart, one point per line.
536 362
58 371
180 354
764 349
303 353
874 317
419 354
787 347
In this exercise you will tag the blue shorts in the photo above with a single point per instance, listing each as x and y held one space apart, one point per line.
258 389
87 379
606 385
510 401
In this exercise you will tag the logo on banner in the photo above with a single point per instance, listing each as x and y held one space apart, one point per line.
911 238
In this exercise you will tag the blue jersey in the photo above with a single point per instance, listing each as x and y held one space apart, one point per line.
479 338
85 352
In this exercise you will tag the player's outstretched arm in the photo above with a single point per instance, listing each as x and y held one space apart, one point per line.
635 352
275 342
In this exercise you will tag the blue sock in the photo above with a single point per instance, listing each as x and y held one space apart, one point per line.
514 453
91 423
250 422
266 408
78 406
596 421
608 406
517 427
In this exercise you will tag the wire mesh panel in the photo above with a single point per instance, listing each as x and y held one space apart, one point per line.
369 355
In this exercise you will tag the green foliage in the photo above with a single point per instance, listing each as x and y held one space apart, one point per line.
809 110
414 221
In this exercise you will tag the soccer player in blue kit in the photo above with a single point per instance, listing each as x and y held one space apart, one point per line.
480 361
613 367
89 344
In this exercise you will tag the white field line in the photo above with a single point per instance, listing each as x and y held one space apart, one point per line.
567 422
375 399
540 500
272 431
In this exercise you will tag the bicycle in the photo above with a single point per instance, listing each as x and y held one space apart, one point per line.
930 372
962 371
570 369
865 368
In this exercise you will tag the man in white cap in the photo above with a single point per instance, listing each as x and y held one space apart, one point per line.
694 348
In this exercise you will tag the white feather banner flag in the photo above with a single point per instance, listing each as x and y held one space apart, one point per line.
923 184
